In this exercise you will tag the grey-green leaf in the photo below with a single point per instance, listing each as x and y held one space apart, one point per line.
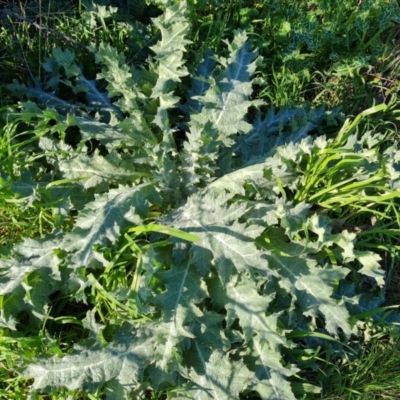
220 378
231 243
91 365
102 220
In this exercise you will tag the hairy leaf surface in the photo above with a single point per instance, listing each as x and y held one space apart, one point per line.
90 365
102 220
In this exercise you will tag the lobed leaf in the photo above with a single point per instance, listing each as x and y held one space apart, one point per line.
219 377
98 171
103 219
90 365
230 242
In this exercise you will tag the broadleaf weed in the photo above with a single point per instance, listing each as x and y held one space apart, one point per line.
194 245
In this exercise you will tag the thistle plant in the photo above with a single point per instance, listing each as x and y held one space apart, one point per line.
197 263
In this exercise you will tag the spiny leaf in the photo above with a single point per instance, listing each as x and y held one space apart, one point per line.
371 266
65 196
244 303
169 59
200 84
98 100
102 220
312 287
27 189
231 243
226 102
90 365
120 82
262 175
98 171
270 375
51 100
183 290
288 125
31 255
219 378
28 278
109 135
223 108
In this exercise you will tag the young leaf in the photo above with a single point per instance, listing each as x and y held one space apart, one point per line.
224 106
371 266
169 65
200 84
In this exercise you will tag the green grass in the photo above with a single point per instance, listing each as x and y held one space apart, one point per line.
330 52
372 376
310 53
31 30
356 66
